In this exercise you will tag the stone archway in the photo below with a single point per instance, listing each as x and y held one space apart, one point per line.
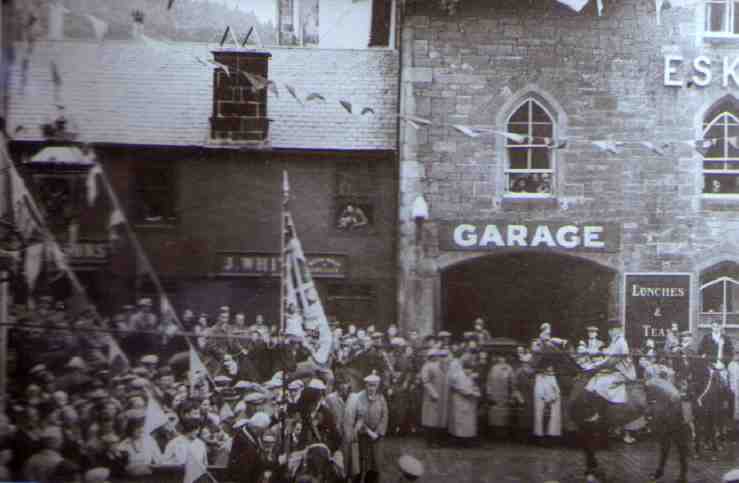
518 290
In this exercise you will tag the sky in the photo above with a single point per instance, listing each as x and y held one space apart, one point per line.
264 9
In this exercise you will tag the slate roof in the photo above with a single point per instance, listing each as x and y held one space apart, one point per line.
159 93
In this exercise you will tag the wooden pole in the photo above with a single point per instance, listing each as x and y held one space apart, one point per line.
3 340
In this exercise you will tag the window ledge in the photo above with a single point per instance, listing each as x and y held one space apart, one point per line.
529 201
719 202
154 225
718 37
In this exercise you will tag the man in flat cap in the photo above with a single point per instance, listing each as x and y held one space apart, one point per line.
365 426
435 405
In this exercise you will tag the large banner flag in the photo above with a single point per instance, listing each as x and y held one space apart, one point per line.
26 215
302 305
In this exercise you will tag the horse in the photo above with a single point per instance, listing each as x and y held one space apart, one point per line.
592 434
709 395
315 464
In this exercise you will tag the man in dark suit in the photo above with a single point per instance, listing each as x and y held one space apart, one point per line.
716 343
246 462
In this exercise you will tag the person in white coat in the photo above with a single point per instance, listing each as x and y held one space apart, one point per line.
547 400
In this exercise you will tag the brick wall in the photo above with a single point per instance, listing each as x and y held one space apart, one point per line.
606 75
239 108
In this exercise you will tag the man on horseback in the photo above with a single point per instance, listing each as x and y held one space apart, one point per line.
608 383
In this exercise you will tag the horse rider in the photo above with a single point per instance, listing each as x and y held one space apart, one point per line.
607 386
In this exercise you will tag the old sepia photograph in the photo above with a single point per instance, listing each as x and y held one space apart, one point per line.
369 241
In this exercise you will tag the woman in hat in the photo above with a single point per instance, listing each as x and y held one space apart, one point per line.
365 426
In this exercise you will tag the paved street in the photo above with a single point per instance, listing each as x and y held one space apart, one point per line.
514 462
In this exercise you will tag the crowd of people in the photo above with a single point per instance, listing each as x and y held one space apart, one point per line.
92 398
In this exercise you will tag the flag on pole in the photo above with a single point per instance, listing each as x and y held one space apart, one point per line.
301 301
92 185
155 416
34 261
198 374
27 217
117 359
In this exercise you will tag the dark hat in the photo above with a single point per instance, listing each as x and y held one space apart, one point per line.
615 324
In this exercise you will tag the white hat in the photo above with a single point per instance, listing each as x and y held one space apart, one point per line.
254 398
150 359
259 420
317 384
145 301
372 379
731 477
97 475
398 341
545 326
222 379
410 466
445 333
296 384
76 362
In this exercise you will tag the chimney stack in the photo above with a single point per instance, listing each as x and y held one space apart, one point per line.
239 108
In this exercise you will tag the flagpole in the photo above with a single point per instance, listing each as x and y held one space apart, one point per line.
283 258
283 327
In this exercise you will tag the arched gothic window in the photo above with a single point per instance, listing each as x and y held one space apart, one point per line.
721 150
530 167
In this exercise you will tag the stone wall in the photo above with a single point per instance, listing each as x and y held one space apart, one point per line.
603 76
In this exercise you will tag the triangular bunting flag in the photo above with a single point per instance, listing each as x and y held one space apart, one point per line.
221 66
292 92
466 130
100 27
315 96
555 143
733 141
272 87
346 105
92 185
654 148
417 120
257 81
608 146
511 136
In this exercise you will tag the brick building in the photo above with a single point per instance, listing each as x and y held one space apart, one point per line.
525 229
196 158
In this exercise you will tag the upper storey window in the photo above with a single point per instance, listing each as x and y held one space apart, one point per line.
722 18
531 164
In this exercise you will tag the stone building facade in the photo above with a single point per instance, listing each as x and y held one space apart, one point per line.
197 159
605 194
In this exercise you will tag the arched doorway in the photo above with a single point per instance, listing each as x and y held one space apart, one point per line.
515 292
